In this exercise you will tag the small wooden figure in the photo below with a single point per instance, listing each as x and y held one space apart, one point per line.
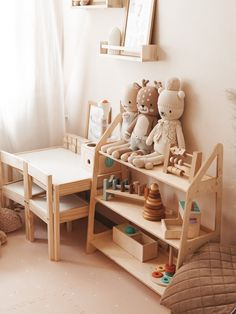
181 163
153 207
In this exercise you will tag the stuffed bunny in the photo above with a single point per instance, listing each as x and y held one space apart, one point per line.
129 114
168 130
141 126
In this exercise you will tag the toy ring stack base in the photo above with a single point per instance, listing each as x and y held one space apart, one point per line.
162 281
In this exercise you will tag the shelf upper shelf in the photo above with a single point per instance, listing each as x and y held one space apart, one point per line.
132 211
141 271
180 183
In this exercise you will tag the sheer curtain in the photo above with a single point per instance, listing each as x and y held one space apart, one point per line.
31 76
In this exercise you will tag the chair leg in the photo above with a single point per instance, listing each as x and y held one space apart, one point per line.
31 225
3 201
56 238
69 226
50 239
56 216
26 222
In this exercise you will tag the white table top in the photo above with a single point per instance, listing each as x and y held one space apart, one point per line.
64 165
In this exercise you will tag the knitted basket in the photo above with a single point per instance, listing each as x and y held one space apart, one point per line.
9 220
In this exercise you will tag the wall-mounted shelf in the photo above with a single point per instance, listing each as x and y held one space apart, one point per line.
147 53
99 4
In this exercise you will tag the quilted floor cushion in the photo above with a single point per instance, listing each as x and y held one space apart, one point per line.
206 284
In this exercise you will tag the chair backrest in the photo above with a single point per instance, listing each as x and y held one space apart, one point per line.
35 175
9 162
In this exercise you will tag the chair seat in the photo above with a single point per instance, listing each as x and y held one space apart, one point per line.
67 202
18 187
15 191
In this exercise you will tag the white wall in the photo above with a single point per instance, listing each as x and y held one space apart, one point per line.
197 43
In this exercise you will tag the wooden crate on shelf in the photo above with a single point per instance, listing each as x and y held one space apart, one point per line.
137 244
106 164
173 228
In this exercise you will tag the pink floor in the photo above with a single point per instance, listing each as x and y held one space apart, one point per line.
79 284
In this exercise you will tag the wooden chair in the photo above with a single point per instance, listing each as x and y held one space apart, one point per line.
12 184
52 208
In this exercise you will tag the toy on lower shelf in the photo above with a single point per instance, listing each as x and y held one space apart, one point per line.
115 186
153 207
135 242
163 273
173 227
181 163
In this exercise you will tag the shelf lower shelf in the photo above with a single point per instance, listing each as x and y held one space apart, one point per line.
141 271
132 211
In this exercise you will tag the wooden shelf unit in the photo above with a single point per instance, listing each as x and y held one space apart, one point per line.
132 211
147 53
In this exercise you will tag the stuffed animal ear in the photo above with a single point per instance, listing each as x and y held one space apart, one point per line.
160 89
157 84
137 86
145 82
181 94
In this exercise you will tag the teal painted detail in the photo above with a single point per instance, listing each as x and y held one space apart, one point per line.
109 162
195 207
130 230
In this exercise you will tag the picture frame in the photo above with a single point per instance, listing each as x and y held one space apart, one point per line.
96 124
138 24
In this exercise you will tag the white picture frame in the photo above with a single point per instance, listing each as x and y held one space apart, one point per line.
138 24
97 125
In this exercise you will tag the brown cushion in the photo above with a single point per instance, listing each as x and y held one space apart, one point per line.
205 284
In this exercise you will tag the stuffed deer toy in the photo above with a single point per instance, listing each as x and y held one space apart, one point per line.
142 125
129 104
169 129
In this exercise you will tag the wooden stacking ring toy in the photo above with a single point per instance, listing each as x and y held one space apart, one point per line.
157 274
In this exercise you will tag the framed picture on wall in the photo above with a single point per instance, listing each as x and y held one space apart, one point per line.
139 23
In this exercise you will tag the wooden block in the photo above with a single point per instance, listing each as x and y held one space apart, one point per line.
72 147
106 164
138 244
173 227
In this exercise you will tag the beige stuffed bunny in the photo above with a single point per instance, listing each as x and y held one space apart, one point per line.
168 130
129 114
140 128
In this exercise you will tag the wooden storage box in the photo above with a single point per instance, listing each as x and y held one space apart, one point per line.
106 164
173 227
138 244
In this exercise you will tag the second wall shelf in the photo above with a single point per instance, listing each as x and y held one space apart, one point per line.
147 53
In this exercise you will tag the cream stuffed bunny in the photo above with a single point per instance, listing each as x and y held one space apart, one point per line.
129 114
168 130
140 128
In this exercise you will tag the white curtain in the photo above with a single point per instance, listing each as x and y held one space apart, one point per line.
31 76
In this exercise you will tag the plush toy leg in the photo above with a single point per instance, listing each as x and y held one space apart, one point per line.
137 154
105 148
112 149
118 153
148 161
126 155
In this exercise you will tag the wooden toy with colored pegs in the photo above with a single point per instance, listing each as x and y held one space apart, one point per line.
153 207
181 163
113 186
